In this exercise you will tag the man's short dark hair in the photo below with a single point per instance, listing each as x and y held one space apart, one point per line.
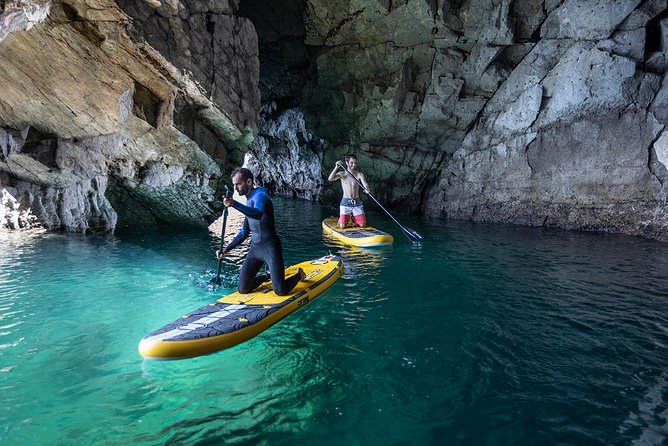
245 173
349 156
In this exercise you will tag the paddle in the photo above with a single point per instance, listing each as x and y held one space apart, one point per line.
408 232
228 194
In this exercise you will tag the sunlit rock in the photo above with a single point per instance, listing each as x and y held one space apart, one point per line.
90 112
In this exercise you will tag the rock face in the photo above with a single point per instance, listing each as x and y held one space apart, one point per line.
538 112
218 50
571 137
533 112
285 157
89 134
323 60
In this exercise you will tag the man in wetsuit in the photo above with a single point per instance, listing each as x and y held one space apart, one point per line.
265 246
351 204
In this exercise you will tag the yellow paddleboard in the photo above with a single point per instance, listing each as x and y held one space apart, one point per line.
365 236
237 317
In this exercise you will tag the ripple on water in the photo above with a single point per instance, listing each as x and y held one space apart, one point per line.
540 337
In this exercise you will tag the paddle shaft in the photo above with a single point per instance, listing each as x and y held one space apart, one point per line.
412 235
222 243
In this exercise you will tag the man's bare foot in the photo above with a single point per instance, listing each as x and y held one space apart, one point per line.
301 273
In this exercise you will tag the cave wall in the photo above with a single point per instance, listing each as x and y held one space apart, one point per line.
572 138
285 155
92 127
219 50
533 112
528 111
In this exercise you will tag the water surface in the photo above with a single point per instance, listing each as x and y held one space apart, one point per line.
482 334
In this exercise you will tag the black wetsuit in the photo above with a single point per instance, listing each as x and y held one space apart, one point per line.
265 246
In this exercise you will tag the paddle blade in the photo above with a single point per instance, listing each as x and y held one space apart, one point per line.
216 280
411 234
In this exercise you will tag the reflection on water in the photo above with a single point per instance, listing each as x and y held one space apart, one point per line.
479 335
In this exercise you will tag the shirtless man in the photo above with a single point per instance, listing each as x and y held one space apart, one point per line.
351 204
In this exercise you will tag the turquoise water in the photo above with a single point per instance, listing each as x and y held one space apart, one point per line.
485 335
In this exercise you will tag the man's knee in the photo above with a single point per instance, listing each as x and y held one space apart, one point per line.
360 219
281 291
281 288
245 289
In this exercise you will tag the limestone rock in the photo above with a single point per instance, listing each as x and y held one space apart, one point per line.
528 107
540 112
88 132
285 157
210 41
